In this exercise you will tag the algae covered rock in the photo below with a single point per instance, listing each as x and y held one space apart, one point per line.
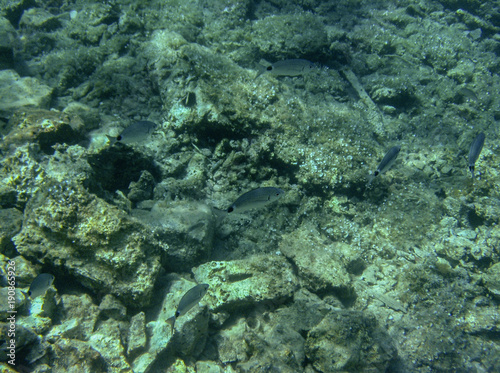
72 355
188 338
17 92
240 283
289 36
80 318
184 228
44 127
7 42
492 279
137 339
317 260
271 339
349 341
106 340
36 18
11 225
94 242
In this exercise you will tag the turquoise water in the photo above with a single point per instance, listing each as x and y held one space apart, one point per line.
130 129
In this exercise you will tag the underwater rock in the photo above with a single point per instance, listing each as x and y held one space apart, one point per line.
45 307
487 210
80 317
162 51
231 344
455 208
492 280
483 320
193 168
7 42
455 247
11 225
13 9
114 168
89 115
186 229
271 340
316 258
208 367
137 339
282 350
306 311
25 272
7 196
17 92
111 307
349 341
44 127
98 245
240 283
290 35
24 337
107 341
37 18
141 189
188 338
20 300
260 342
73 355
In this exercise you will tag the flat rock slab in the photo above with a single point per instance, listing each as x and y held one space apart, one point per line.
17 92
249 281
36 18
317 259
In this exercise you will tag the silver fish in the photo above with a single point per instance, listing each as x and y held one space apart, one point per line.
475 151
134 133
40 284
188 301
387 162
294 67
256 198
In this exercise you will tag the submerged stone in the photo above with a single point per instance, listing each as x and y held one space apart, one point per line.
17 92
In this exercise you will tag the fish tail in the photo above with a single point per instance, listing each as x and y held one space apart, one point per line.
171 321
112 140
219 214
370 179
260 70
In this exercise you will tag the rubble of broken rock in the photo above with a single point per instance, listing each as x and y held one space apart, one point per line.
401 275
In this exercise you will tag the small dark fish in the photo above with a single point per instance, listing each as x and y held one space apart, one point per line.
387 162
134 133
40 285
475 151
293 67
256 198
188 301
467 94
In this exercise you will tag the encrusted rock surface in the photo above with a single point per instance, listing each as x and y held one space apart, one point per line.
341 274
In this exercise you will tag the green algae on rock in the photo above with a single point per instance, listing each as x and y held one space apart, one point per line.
318 264
239 283
347 340
18 92
96 243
